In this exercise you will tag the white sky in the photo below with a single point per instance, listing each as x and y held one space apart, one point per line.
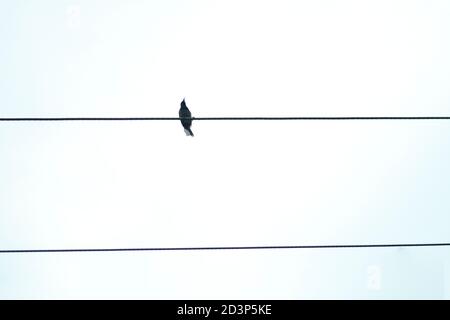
236 183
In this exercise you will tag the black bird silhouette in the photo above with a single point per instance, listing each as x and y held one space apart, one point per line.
185 113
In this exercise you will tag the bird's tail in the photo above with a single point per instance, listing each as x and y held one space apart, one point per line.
189 132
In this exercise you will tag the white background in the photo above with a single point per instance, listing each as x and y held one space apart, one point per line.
144 184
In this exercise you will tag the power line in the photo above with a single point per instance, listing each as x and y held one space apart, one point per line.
60 119
333 246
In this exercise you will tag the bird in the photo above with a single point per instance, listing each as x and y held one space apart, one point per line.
185 113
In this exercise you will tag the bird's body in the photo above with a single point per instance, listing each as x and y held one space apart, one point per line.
185 113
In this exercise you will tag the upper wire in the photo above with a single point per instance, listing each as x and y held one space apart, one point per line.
26 119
